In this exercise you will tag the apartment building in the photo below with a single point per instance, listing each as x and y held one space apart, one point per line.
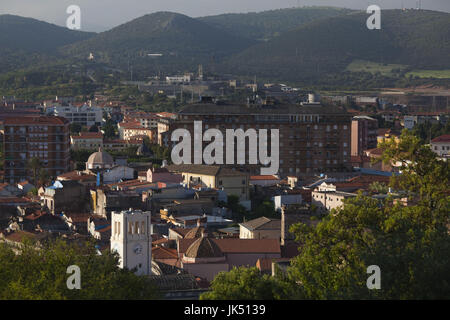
147 120
312 138
132 130
43 137
364 134
83 115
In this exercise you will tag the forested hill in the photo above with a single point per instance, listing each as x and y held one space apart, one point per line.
269 24
415 38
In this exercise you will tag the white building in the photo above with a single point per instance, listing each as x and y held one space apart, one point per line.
131 239
84 115
260 228
286 199
441 146
178 79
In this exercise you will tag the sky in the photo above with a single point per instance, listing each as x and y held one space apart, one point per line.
101 15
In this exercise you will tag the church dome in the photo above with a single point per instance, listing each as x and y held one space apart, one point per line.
100 160
203 248
194 233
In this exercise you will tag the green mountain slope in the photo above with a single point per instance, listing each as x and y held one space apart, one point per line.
416 38
26 41
269 24
181 40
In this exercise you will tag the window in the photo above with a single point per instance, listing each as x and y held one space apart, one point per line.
142 227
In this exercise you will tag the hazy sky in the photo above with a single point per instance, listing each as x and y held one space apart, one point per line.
99 15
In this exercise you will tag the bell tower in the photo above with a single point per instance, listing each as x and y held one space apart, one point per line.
131 239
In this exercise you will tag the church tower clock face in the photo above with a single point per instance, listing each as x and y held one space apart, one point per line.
137 249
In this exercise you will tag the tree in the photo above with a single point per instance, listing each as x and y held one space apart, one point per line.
42 274
35 164
75 128
44 177
93 129
109 129
243 284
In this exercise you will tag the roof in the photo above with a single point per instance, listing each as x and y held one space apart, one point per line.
181 231
164 253
194 233
259 223
77 175
443 138
203 248
20 235
89 135
375 151
101 157
78 217
41 120
234 245
207 170
174 282
261 177
244 109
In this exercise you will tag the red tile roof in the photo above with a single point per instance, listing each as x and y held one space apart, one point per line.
233 245
42 120
261 177
444 138
164 253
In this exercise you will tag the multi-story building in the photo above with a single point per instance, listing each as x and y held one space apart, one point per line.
84 115
326 197
45 138
164 125
87 141
233 182
312 138
364 134
147 120
132 130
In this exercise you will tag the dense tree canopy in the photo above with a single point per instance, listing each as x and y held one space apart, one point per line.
42 274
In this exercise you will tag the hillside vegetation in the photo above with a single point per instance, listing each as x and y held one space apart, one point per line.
416 38
269 24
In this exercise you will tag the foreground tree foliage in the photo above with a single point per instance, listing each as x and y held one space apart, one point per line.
41 274
410 244
243 284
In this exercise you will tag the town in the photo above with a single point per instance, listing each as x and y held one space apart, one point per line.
100 169
297 153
